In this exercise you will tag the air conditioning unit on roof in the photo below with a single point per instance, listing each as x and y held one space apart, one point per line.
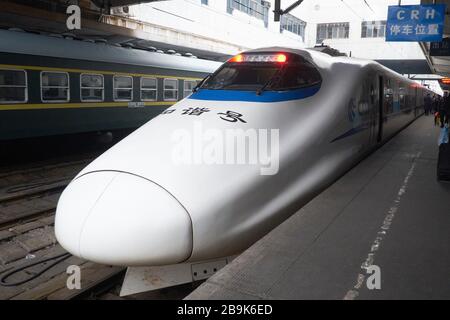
121 11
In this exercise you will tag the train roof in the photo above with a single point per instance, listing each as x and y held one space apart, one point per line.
48 46
322 59
306 53
315 56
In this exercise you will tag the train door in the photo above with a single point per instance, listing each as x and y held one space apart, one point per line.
416 99
375 87
418 103
380 108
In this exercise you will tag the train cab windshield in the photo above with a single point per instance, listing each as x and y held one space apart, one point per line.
257 72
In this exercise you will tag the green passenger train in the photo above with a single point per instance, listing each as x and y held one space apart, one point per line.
52 85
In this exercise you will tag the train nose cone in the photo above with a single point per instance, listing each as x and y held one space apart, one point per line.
121 219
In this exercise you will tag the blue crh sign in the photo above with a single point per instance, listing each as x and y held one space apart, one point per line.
415 23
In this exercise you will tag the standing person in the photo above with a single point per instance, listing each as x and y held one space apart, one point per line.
444 109
427 102
447 111
435 104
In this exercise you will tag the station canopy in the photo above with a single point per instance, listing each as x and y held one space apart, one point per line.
49 17
438 54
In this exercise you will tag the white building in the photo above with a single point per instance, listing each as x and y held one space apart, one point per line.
236 25
355 27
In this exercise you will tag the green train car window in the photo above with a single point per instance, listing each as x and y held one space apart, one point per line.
149 89
54 86
13 86
170 89
92 87
123 88
189 85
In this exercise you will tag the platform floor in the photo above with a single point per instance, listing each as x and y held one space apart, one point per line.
388 211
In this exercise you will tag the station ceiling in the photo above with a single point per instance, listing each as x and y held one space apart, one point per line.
438 64
46 16
410 66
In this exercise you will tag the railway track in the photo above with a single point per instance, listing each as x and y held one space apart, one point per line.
28 198
28 194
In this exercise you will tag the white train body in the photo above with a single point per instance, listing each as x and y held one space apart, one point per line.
134 206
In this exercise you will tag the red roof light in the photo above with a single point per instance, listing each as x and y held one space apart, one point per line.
281 58
445 80
237 58
278 57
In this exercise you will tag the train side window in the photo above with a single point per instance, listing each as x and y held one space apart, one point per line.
92 87
372 94
149 88
402 95
388 97
13 86
123 88
54 86
170 89
189 85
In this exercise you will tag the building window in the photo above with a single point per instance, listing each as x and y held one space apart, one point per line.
373 29
292 24
149 89
332 31
170 89
92 87
205 2
123 88
13 86
256 8
189 85
54 86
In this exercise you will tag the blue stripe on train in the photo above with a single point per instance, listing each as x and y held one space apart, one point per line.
251 96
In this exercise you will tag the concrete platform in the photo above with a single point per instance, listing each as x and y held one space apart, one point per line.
389 211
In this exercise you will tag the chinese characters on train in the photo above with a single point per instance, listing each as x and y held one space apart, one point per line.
230 116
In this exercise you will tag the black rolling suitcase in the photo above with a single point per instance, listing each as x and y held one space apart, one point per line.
443 167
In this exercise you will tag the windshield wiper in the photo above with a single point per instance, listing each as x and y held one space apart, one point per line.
269 82
200 83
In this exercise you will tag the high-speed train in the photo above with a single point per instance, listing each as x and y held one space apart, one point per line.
52 85
137 205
